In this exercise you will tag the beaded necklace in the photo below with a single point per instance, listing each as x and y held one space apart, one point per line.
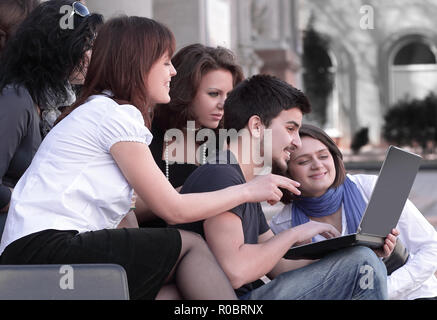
167 167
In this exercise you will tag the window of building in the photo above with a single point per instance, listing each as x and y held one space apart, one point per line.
414 53
413 71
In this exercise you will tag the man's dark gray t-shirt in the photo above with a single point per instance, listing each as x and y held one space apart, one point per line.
217 176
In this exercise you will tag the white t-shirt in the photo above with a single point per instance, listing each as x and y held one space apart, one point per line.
73 183
416 278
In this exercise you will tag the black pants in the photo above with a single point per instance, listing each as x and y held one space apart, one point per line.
147 255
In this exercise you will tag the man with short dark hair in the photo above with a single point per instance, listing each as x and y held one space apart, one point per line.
267 113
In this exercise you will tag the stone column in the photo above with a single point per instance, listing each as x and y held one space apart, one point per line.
282 63
275 37
185 18
242 38
197 21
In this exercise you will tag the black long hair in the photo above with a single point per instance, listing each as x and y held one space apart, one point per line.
41 55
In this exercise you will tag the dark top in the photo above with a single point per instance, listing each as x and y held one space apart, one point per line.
20 138
217 176
178 172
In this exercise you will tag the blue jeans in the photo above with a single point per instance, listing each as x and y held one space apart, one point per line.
349 274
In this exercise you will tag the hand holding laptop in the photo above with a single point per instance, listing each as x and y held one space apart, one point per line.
389 245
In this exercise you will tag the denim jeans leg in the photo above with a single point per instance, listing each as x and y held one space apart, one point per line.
348 274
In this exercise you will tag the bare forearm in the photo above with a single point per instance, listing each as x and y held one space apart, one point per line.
159 195
140 170
200 206
257 260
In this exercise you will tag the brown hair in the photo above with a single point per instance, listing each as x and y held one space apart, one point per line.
12 13
192 63
123 54
316 133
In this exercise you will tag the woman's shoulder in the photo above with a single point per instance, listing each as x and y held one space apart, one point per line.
18 96
365 183
17 110
364 180
107 108
281 220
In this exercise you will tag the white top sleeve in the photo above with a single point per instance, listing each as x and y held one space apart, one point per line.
420 238
124 123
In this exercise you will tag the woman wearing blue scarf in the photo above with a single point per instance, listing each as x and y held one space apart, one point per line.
329 195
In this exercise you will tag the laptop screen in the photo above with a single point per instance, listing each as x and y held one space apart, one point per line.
391 192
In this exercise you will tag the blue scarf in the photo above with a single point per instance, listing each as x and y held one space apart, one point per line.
329 203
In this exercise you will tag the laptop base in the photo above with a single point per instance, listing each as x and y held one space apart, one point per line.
318 250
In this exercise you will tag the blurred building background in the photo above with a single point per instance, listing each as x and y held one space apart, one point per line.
354 58
376 52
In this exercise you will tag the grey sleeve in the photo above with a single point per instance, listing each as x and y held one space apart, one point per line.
15 116
263 224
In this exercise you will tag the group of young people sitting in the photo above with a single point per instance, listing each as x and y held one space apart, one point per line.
129 175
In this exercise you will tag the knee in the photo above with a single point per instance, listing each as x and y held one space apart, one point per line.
367 256
191 240
369 262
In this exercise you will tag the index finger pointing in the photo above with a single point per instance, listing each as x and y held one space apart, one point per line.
288 184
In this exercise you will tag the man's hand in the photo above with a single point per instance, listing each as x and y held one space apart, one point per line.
312 228
266 188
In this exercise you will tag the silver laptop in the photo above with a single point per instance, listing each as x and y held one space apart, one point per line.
382 213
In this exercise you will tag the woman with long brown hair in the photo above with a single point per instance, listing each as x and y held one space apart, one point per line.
79 187
205 77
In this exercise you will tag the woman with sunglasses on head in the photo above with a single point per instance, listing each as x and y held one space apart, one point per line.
205 77
330 195
67 206
37 67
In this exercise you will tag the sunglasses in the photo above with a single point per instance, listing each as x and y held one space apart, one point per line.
80 9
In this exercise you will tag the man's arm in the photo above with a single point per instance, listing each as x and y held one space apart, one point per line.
283 265
140 170
244 263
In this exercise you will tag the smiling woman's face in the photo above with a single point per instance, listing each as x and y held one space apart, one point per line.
313 167
159 79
